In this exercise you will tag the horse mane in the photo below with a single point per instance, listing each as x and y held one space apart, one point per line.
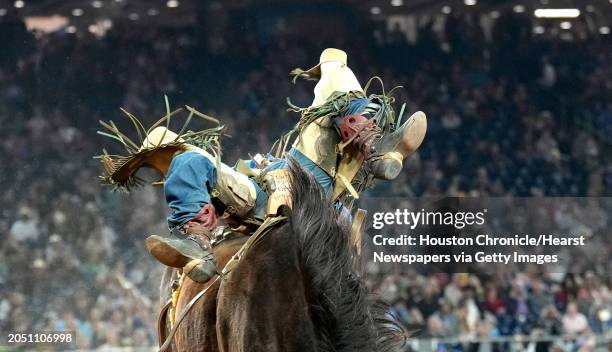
345 316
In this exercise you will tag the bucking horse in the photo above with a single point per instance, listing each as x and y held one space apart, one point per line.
298 287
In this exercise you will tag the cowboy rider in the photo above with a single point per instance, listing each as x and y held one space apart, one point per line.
194 180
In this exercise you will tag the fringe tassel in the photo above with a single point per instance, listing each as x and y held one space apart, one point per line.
207 139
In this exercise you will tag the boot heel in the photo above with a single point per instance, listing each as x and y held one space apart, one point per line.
389 167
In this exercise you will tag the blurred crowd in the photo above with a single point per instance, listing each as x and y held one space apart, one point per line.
557 314
510 113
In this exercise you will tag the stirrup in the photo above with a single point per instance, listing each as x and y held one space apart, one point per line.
200 270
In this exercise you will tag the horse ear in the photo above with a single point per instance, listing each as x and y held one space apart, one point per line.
284 210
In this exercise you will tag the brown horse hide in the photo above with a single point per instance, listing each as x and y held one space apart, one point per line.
260 307
294 290
197 332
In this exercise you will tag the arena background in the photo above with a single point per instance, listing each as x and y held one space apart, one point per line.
517 106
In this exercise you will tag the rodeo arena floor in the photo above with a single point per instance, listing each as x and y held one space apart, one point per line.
517 105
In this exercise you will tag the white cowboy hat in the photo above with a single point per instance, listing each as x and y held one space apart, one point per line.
156 151
158 137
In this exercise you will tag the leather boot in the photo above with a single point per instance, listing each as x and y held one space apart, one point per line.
393 148
183 253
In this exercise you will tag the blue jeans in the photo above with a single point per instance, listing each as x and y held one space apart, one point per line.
191 177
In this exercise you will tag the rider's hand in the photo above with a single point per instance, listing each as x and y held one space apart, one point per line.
204 223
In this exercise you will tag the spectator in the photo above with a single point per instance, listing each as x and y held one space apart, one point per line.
574 322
